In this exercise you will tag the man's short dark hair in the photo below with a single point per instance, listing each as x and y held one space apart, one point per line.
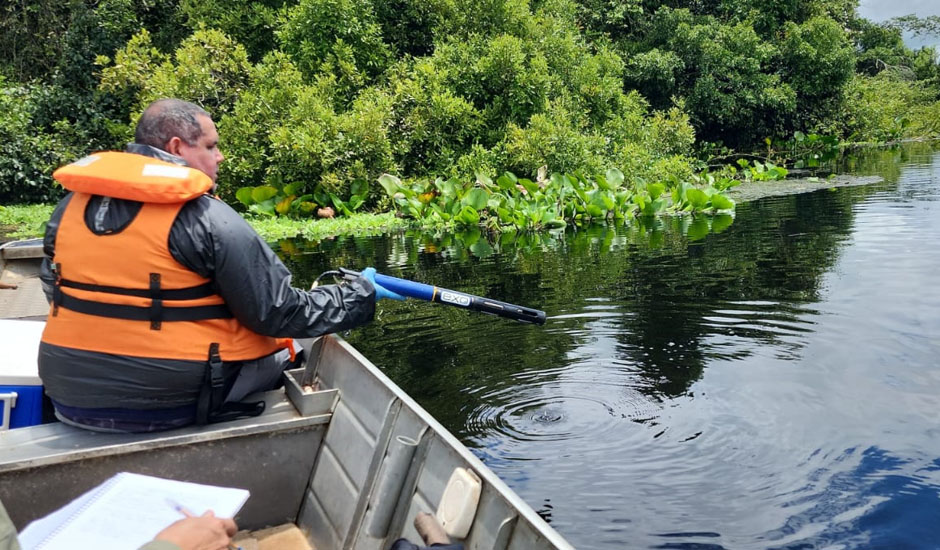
165 119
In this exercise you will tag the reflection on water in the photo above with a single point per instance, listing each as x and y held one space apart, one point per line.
771 383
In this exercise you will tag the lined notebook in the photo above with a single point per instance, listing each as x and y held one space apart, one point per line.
125 512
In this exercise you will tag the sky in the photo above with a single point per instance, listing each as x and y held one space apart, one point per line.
881 10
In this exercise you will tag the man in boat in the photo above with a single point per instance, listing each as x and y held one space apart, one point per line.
167 308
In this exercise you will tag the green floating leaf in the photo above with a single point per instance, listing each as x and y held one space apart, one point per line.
655 190
721 202
614 178
595 211
507 181
263 193
283 206
697 198
293 188
448 188
390 183
244 196
359 188
529 186
266 208
481 249
476 198
468 216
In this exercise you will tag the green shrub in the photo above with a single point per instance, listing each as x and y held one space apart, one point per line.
879 108
27 155
557 138
818 60
339 36
283 131
925 121
260 111
478 160
463 19
504 77
926 67
314 145
250 22
670 133
408 26
208 68
639 165
655 74
878 47
431 127
730 94
613 18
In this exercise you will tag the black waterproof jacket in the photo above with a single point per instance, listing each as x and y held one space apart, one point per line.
213 240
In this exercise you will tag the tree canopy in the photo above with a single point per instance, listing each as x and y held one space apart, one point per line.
326 94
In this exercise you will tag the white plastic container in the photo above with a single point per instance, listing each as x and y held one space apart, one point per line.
20 387
459 503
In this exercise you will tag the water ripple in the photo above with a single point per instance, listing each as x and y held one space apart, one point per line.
554 406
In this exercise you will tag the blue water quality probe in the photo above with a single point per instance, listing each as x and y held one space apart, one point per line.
430 293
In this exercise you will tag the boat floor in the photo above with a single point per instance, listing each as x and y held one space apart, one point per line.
19 268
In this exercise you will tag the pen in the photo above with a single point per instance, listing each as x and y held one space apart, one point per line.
183 510
179 508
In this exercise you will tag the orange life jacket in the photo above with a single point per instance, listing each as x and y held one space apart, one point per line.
123 293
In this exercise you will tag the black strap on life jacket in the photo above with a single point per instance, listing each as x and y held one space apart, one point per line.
57 289
156 302
189 293
157 313
211 406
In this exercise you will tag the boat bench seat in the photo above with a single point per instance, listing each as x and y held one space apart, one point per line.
216 454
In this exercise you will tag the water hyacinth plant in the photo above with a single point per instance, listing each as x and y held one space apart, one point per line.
290 200
550 202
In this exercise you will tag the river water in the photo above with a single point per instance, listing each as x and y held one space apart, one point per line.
768 384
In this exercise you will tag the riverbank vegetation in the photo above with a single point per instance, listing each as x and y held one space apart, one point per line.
518 113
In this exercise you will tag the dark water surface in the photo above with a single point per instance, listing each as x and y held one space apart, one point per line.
769 384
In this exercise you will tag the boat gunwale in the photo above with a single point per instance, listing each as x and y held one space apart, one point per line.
515 501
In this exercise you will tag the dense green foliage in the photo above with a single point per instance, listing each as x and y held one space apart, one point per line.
316 99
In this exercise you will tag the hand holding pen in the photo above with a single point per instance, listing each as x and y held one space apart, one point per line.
205 532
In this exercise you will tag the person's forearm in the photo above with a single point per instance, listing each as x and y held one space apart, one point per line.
323 310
